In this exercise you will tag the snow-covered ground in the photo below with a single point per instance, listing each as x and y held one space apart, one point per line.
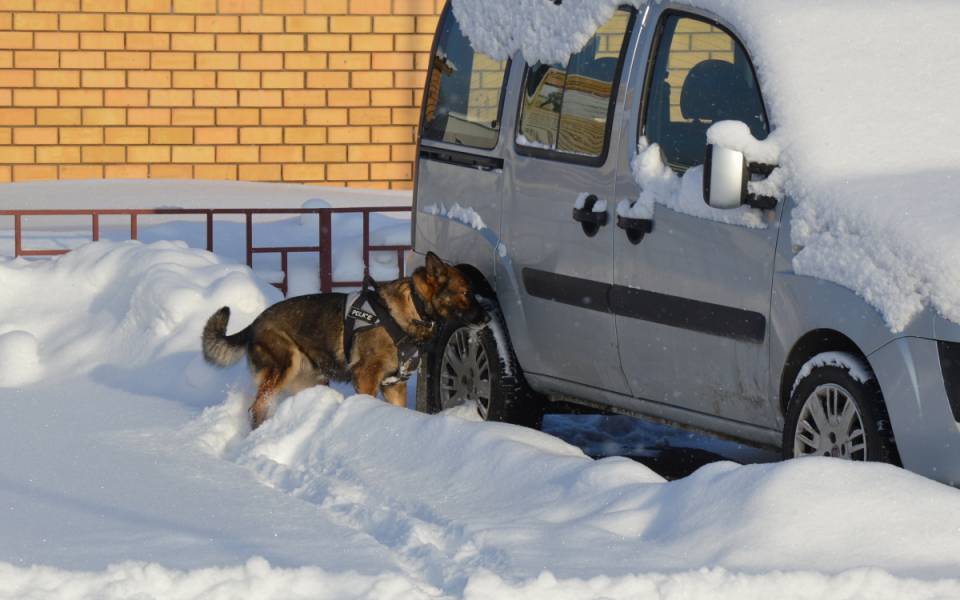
129 471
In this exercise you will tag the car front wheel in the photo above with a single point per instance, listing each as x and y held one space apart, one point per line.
833 413
469 365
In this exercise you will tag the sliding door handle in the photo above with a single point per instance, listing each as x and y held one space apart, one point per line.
636 228
590 220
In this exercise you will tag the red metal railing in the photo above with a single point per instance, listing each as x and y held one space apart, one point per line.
324 247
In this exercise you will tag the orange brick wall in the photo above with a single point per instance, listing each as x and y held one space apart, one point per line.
299 91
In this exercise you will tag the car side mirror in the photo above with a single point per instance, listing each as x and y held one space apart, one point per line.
725 177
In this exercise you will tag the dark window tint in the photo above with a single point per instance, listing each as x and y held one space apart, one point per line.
462 102
565 108
701 75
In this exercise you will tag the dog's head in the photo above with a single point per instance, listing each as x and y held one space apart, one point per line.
448 293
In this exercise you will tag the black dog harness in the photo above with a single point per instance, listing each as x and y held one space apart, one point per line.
365 310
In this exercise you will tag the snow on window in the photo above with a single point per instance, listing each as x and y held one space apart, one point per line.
525 141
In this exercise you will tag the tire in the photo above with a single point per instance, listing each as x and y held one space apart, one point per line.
831 413
467 364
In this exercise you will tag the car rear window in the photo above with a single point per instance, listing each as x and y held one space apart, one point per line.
464 91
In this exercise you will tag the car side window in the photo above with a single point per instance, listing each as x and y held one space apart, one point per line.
566 109
465 90
701 74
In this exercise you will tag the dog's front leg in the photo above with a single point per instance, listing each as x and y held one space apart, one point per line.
396 394
366 381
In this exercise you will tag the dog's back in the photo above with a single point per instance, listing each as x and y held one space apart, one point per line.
311 324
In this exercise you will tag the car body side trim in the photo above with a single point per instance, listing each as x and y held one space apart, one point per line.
685 313
673 311
585 293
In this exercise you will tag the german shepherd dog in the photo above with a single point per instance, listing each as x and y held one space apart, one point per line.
298 343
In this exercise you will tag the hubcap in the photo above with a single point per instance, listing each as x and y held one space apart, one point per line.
465 372
830 425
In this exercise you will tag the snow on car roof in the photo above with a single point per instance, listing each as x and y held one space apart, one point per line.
541 30
862 98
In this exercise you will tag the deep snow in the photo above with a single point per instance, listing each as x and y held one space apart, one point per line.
130 469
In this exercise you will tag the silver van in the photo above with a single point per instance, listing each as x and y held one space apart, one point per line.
528 178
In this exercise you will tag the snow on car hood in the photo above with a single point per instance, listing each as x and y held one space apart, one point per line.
862 99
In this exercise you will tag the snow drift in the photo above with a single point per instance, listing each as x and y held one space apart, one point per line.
458 498
255 580
115 303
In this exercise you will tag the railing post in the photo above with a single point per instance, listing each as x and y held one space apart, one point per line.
285 284
133 225
326 252
17 235
249 223
366 243
95 234
210 231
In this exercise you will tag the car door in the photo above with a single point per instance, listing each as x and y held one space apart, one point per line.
555 272
692 298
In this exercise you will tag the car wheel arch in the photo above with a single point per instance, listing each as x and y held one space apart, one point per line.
809 345
478 281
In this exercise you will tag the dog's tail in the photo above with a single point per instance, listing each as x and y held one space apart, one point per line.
219 348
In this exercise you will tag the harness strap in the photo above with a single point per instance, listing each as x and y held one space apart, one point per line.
371 310
358 310
418 303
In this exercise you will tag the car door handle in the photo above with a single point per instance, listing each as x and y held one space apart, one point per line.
590 220
636 228
587 215
582 215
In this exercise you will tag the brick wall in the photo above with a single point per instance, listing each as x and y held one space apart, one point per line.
299 91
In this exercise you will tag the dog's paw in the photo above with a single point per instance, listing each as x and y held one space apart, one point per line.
255 419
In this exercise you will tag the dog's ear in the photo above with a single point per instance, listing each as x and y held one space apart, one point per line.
436 270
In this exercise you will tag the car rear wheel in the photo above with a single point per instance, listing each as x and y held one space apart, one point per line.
469 365
831 413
